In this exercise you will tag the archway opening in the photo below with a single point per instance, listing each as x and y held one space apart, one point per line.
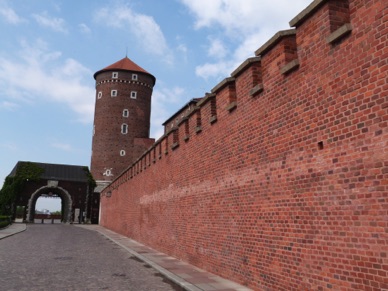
47 204
48 209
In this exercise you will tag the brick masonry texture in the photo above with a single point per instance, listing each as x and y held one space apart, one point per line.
108 140
287 189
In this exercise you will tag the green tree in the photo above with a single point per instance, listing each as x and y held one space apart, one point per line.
13 185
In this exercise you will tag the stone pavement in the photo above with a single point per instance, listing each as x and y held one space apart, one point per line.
12 229
183 274
63 257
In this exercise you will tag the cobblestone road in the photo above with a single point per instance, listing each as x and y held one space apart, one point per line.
65 257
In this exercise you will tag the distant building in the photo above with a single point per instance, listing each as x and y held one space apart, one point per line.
181 114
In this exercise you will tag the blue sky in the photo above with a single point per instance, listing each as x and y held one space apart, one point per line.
50 50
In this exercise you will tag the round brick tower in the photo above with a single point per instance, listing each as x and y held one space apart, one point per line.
121 118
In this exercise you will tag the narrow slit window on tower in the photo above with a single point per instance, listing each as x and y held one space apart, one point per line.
124 128
133 94
320 145
125 113
134 77
99 95
115 75
122 153
113 93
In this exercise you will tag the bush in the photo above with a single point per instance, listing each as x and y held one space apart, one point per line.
4 221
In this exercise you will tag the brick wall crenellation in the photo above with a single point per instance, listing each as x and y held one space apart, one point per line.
287 189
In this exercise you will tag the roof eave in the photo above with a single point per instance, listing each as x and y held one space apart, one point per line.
123 70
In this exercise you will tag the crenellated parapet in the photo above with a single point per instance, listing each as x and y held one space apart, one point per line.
283 58
276 178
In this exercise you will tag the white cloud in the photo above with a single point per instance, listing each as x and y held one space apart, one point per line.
217 49
182 48
9 15
45 20
245 24
143 27
84 28
243 17
10 106
218 69
49 78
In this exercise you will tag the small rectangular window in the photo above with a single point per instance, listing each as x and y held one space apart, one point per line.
133 94
113 93
125 113
134 77
99 95
124 128
115 75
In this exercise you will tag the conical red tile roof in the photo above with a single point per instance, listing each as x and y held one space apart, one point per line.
124 64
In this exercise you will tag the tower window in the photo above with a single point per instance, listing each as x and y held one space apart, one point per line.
122 153
99 95
134 77
124 128
115 75
133 94
125 113
113 93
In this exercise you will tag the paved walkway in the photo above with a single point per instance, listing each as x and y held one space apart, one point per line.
63 257
185 275
12 229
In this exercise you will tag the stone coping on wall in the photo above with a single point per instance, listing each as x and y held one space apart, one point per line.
207 98
245 65
273 41
222 84
306 13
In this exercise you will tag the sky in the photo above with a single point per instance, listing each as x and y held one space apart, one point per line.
49 51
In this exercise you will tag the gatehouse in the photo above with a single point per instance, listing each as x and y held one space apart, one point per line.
71 183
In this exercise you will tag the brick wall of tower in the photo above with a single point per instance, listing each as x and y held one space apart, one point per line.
108 140
279 178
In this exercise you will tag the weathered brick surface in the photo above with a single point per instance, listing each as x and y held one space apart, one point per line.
288 191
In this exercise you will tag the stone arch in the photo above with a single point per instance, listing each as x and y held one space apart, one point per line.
63 194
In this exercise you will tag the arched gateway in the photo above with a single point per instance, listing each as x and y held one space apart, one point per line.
72 184
60 192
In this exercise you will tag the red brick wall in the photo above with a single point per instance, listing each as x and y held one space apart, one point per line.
288 190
